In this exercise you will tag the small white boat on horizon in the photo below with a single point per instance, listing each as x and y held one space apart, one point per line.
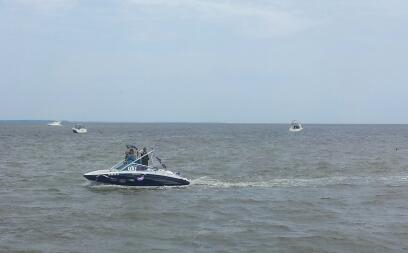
295 126
79 129
55 123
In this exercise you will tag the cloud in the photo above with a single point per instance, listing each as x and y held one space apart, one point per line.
246 17
43 4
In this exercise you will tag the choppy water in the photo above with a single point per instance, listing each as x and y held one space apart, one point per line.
256 188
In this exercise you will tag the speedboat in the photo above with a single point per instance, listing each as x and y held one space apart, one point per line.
55 123
79 129
295 126
135 174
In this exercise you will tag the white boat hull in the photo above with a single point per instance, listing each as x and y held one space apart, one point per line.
79 131
295 129
56 123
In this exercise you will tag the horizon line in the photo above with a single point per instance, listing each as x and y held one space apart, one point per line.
198 122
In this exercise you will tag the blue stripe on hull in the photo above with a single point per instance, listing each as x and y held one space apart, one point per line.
136 180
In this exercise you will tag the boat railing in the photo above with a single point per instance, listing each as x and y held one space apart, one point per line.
122 165
116 166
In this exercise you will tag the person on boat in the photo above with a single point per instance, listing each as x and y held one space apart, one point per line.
126 154
144 157
130 156
137 156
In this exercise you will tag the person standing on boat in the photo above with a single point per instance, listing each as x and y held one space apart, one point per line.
137 156
130 157
127 154
145 157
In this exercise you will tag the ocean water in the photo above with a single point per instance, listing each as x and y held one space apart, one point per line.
255 188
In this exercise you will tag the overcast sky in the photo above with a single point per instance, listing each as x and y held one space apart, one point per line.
261 61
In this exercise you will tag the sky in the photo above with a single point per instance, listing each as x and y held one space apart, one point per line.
233 61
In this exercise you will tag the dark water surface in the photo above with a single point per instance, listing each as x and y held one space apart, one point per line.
255 188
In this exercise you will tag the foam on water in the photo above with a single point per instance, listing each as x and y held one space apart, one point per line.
301 182
207 181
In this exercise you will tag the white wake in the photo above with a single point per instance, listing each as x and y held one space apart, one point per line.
301 182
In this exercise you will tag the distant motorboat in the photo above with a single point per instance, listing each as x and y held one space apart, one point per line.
79 129
295 126
55 123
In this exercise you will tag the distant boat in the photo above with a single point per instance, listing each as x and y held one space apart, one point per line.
295 126
79 129
55 123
